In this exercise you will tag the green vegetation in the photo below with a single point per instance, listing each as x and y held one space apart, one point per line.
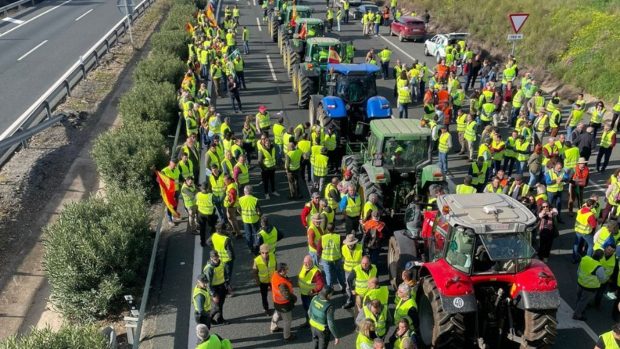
95 252
576 40
171 41
149 101
75 337
160 67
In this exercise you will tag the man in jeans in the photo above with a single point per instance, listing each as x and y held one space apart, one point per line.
445 143
283 301
331 257
555 180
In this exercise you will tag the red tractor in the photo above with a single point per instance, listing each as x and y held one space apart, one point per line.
478 283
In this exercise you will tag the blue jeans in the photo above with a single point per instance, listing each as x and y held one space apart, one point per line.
443 162
588 240
279 156
555 200
533 178
514 115
315 258
569 133
219 209
333 272
385 69
376 28
246 47
403 110
250 231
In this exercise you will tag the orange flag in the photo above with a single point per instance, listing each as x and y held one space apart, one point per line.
333 57
189 28
294 16
167 190
303 31
211 16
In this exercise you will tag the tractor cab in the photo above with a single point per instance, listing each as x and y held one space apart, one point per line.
301 12
313 27
354 83
317 49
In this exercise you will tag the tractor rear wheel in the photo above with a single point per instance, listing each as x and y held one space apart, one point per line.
438 329
280 40
285 57
295 79
352 163
540 328
274 31
293 60
304 86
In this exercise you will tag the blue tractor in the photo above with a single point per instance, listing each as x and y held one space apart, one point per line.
347 100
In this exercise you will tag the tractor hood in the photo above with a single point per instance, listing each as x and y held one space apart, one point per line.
378 107
334 107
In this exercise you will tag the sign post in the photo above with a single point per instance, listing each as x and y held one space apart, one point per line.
126 8
516 21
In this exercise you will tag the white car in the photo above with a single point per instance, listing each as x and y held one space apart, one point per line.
436 46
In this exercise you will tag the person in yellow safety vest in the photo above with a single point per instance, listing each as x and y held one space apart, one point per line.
466 187
555 179
327 214
517 102
263 268
585 223
487 113
310 281
574 117
330 142
365 334
377 21
241 175
345 6
541 125
292 164
479 171
230 39
616 110
597 114
191 121
470 136
461 127
220 241
201 299
319 170
485 152
186 166
206 212
494 187
497 149
607 144
590 274
405 306
310 209
228 161
608 261
522 151
263 121
518 189
385 56
268 234
313 235
231 204
376 312
209 341
404 99
370 206
611 339
509 74
444 145
218 188
331 194
267 161
607 234
314 151
212 158
536 104
250 215
358 279
510 155
278 131
351 205
188 192
351 251
329 16
218 286
330 249
173 172
316 135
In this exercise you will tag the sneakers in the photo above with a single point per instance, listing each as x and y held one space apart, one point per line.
276 193
267 197
290 339
277 329
611 295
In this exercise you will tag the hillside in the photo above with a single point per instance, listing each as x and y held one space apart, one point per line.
577 41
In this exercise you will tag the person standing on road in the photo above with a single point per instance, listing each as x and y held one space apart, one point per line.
241 173
365 334
555 179
189 191
218 188
597 114
609 340
310 281
351 205
264 267
580 177
202 301
338 17
590 274
218 285
172 171
345 6
329 16
608 142
233 88
314 233
206 212
283 302
445 144
222 244
385 56
321 319
231 203
245 37
292 163
405 307
352 254
470 136
427 18
331 257
377 312
377 25
263 120
267 161
268 234
320 169
358 279
250 214
585 223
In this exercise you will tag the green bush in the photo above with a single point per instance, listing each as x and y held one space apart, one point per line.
171 41
125 155
96 252
149 101
74 337
161 67
178 16
573 39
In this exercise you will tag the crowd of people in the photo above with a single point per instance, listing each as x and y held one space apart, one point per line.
536 164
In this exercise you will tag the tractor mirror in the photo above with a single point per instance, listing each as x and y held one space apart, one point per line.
359 129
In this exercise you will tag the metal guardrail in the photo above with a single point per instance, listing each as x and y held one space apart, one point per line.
18 4
42 108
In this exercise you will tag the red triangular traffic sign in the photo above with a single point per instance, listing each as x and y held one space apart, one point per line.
517 20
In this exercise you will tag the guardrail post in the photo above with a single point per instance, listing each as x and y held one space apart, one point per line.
83 66
66 83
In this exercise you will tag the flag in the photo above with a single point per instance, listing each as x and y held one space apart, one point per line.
294 16
167 191
303 31
211 16
189 28
333 57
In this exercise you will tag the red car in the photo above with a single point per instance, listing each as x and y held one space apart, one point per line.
408 28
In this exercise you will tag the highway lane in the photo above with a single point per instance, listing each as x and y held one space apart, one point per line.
64 39
269 85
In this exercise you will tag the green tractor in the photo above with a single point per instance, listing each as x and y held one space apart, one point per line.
281 17
292 45
307 76
395 164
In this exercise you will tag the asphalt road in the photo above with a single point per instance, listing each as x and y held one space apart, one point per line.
181 261
40 44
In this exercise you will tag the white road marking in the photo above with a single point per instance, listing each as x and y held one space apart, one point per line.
12 20
85 13
249 3
273 73
258 23
29 52
396 47
196 269
254 2
565 320
35 17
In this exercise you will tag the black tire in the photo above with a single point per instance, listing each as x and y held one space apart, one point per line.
540 328
438 329
295 79
293 60
303 92
426 53
274 31
280 40
352 163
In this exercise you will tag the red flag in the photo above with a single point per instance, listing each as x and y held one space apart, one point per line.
294 16
189 28
303 31
167 190
333 57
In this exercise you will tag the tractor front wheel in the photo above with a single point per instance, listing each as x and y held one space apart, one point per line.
438 329
293 60
304 86
540 328
280 40
295 79
274 31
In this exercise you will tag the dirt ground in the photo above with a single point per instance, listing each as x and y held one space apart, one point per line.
33 175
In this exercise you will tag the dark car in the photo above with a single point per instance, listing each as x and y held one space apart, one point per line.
408 28
358 12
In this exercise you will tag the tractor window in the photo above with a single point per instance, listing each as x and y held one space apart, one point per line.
508 246
459 250
405 153
372 145
355 89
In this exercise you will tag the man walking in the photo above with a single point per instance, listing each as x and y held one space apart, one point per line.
189 191
206 212
608 142
268 234
218 285
250 214
385 56
292 163
310 281
283 302
445 144
590 274
264 267
202 301
331 257
222 244
321 315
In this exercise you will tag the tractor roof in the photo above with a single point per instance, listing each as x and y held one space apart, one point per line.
302 8
310 21
487 213
346 69
400 129
323 41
